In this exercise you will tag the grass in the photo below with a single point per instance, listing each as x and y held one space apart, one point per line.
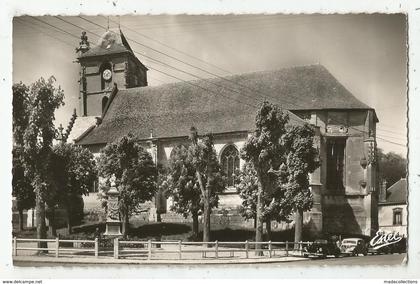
172 231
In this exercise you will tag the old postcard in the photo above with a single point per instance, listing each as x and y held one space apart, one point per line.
225 140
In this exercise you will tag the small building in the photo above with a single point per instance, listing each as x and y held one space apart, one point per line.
392 205
113 88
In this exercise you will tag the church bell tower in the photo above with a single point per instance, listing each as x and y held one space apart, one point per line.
110 62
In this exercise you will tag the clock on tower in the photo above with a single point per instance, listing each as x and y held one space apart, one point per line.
111 61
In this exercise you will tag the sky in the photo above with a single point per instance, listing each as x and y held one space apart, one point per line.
365 52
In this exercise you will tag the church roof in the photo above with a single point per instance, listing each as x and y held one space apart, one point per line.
109 43
170 110
397 193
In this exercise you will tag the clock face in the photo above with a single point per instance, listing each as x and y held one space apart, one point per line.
107 74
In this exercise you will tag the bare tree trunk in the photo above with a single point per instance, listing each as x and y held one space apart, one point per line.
268 228
298 227
68 218
125 225
206 213
206 219
51 221
20 219
41 232
195 225
259 218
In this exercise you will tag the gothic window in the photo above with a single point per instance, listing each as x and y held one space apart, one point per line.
335 164
397 216
104 102
230 163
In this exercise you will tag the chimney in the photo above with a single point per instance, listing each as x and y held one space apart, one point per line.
382 193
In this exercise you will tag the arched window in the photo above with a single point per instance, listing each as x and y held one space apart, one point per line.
230 163
104 102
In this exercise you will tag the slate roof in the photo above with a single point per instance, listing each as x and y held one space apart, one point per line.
110 42
170 110
397 193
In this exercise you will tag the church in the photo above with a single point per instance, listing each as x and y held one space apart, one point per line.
115 100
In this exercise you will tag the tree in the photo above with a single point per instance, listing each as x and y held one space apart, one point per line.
75 173
182 184
264 151
301 160
274 207
43 98
22 187
135 174
21 184
203 158
392 167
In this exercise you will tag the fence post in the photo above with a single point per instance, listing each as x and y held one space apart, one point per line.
57 246
116 248
179 249
246 248
149 247
216 246
14 246
287 248
269 248
96 247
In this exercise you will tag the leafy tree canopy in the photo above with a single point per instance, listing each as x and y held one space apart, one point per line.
392 167
182 183
134 170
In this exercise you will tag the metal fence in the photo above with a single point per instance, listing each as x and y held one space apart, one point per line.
167 249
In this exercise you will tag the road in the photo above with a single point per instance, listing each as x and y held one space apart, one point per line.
394 259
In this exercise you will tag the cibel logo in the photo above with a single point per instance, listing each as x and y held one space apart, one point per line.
382 239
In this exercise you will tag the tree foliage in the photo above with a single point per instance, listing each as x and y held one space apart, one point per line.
203 158
274 207
21 184
301 160
135 174
74 174
34 132
392 167
275 181
264 152
182 185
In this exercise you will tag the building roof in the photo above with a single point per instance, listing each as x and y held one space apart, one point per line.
397 193
170 110
110 42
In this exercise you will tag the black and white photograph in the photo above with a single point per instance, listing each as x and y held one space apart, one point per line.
224 140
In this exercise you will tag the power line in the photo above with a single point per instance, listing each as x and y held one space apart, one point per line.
192 75
392 132
42 32
175 68
171 67
199 68
64 31
173 48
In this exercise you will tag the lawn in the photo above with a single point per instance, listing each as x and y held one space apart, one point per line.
167 231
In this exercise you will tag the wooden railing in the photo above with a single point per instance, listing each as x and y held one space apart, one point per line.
152 249
57 249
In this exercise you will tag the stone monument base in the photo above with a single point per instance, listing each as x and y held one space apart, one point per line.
113 229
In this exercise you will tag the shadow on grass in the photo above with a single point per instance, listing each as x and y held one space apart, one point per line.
157 230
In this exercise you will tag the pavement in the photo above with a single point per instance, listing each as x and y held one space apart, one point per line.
376 260
46 260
